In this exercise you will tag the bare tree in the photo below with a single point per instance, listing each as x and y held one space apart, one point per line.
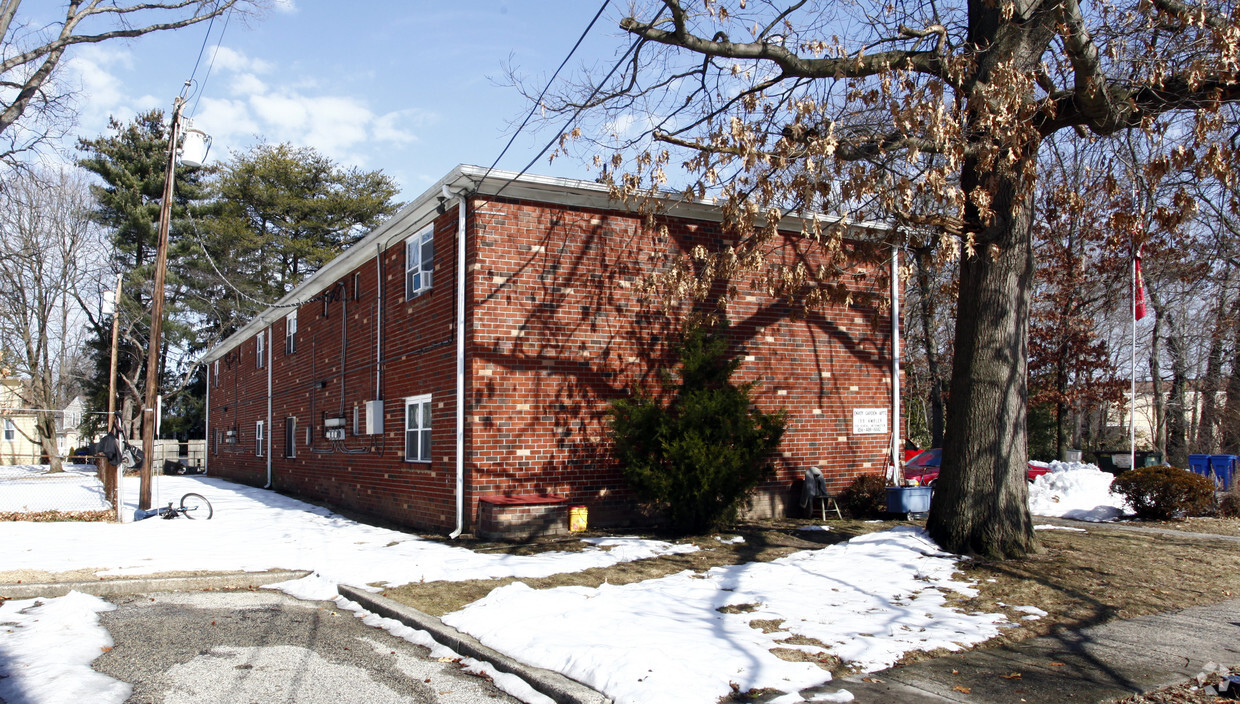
45 235
32 105
856 107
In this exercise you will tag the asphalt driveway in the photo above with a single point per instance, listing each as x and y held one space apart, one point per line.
257 647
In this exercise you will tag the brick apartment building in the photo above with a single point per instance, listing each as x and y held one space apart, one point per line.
346 390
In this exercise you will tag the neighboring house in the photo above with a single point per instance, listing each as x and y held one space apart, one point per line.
17 428
1118 414
68 438
346 390
18 442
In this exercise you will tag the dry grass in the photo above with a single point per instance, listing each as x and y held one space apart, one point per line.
763 543
1080 579
48 516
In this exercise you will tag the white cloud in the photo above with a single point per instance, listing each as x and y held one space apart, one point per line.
248 84
229 123
92 69
285 107
286 6
392 127
233 60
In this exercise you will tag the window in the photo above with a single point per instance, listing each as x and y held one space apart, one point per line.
258 438
260 348
215 375
215 444
10 431
290 333
357 286
290 437
418 428
419 261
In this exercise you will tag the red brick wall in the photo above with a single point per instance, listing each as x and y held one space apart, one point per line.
333 369
557 328
560 329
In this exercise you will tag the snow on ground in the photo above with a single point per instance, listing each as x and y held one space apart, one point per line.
29 488
255 530
870 600
1076 490
46 647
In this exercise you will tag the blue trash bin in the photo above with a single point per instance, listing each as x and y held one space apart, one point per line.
1222 466
1199 464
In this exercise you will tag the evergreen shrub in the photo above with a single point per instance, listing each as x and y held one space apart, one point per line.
698 449
1163 492
865 496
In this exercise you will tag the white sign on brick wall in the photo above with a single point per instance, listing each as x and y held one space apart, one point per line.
869 421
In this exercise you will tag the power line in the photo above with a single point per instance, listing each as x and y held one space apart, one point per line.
203 87
576 113
550 82
198 238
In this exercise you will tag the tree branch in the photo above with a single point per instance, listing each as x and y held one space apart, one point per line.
856 66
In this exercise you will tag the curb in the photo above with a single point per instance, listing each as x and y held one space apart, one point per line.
554 685
141 585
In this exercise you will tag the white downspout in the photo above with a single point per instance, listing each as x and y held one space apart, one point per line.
379 284
897 465
460 364
206 425
267 331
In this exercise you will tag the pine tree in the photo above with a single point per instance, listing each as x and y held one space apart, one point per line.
700 453
130 161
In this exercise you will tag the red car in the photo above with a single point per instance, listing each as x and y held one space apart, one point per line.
925 468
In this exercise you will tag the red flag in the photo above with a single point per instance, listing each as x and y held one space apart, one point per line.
1138 291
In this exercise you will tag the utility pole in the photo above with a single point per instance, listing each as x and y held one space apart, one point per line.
112 480
157 312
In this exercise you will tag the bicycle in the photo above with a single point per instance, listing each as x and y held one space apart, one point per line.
193 506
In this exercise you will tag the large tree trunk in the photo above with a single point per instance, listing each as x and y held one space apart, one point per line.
981 500
45 429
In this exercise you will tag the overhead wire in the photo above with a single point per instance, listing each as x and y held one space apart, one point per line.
577 112
210 66
550 82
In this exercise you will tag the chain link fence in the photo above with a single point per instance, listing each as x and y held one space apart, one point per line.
31 492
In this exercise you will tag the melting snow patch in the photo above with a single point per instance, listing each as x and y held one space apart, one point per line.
46 647
1034 612
869 600
1051 526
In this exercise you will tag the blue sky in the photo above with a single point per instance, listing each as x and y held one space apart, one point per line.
412 88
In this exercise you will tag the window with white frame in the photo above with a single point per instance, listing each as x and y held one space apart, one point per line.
259 436
10 430
215 375
290 437
419 261
418 428
290 333
260 348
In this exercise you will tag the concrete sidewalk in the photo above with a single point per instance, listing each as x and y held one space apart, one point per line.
1097 664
